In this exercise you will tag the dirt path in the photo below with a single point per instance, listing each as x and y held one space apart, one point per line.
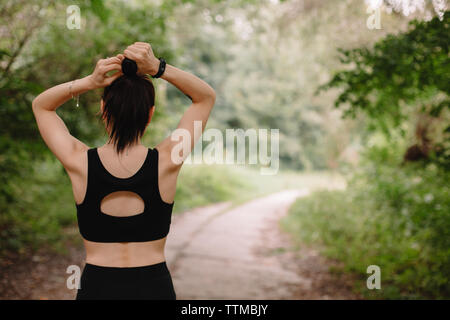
213 252
240 253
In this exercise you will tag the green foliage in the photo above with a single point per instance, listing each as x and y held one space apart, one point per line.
266 70
394 216
265 61
37 51
201 185
41 205
398 219
399 73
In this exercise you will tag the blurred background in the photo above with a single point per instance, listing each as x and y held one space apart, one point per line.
358 89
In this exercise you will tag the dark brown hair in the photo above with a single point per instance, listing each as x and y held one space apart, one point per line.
127 103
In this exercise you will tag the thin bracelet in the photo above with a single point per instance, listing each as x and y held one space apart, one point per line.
78 96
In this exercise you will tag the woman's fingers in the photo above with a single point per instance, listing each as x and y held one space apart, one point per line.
140 44
111 67
111 60
112 77
137 49
131 54
143 45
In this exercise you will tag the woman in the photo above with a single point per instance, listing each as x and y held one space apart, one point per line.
124 192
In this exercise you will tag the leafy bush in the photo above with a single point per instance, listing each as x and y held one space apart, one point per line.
395 217
42 204
201 184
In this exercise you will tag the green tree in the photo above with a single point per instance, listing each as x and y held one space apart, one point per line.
38 51
402 78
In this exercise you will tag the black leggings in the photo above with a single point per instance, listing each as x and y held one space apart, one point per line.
151 282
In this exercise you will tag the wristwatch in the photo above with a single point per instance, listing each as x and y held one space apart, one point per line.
161 69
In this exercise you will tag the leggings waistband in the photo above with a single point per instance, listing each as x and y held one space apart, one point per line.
148 272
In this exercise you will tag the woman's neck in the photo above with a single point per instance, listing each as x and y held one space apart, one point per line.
128 150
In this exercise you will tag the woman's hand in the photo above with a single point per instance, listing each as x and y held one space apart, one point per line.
142 53
99 78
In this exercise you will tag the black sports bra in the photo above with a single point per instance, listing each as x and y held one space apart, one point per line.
152 224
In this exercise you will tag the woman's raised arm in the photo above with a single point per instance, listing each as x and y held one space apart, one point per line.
51 126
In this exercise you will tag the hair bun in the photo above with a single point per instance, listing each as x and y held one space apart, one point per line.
129 67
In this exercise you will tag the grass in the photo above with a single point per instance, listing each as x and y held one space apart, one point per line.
395 218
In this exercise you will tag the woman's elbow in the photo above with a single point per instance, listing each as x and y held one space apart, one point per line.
211 96
37 103
34 104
